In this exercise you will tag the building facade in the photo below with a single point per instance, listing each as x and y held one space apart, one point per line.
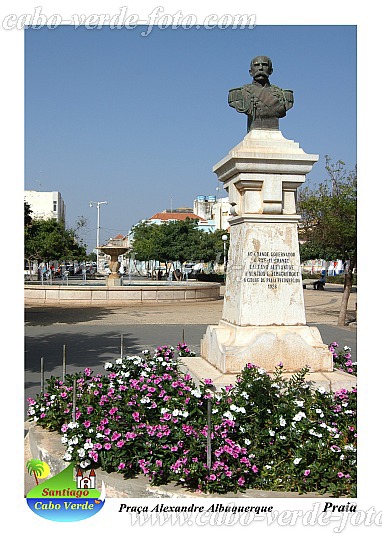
215 211
46 205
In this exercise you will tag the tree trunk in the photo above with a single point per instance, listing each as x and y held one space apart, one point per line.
346 294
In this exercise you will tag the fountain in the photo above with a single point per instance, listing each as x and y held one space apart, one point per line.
114 279
113 291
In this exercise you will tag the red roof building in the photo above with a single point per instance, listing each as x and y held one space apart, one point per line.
165 217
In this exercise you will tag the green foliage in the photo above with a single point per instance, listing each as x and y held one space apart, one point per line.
329 216
48 240
179 240
268 432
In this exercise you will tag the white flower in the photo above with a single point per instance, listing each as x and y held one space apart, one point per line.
342 457
245 395
214 411
88 445
299 416
282 437
73 425
118 361
145 399
318 411
185 414
297 460
163 410
299 403
196 393
272 433
282 421
108 365
64 439
85 463
74 440
321 390
176 412
261 371
229 415
247 442
268 467
347 348
67 456
53 397
81 452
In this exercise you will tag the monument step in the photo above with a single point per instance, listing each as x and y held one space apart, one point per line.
200 370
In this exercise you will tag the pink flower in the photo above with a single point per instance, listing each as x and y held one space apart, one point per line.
121 466
241 481
255 469
136 416
306 473
340 474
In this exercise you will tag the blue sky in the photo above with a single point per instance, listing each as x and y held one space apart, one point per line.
139 122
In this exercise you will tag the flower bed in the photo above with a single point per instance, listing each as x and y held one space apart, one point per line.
144 415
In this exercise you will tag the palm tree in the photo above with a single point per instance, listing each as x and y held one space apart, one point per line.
35 466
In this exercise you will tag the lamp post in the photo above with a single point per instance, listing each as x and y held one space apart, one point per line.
224 239
98 204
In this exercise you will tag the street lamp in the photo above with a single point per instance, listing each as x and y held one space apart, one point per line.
224 239
98 204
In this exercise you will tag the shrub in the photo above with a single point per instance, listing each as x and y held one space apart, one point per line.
342 360
145 416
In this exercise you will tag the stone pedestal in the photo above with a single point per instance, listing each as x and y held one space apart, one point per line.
113 280
263 318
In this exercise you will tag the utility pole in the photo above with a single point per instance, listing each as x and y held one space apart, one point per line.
98 204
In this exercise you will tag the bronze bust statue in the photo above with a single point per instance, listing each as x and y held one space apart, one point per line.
262 102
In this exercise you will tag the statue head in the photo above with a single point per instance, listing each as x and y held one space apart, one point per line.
261 68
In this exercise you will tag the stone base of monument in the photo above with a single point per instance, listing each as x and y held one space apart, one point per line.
200 369
112 281
228 348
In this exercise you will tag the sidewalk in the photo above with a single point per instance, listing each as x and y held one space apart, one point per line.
320 307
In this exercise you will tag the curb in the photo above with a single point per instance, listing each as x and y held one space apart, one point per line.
47 446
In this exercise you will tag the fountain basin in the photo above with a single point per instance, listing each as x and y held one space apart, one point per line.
136 292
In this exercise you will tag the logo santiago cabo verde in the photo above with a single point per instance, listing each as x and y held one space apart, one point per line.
68 496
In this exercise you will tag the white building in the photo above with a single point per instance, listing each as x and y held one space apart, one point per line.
46 205
215 211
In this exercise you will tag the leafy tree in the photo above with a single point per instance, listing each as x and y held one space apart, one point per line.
328 227
48 240
145 241
180 240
